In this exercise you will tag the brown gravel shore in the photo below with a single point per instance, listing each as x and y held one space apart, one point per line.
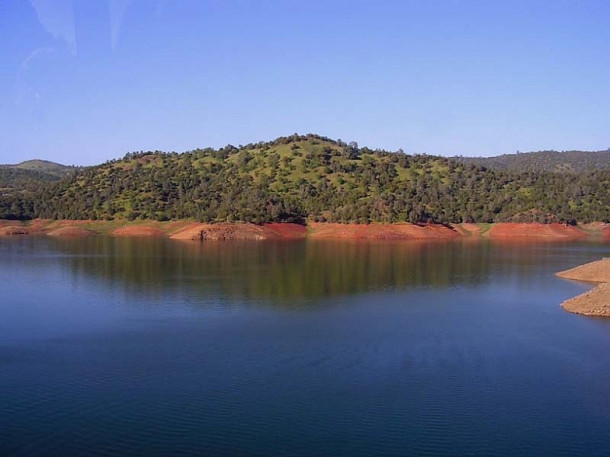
595 302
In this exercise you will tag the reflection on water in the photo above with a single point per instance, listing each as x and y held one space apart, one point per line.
289 270
292 270
281 270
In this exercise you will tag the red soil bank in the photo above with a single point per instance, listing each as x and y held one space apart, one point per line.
14 230
286 230
382 231
71 231
507 230
240 231
138 230
188 230
7 223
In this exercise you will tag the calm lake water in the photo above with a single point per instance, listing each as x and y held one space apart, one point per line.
154 347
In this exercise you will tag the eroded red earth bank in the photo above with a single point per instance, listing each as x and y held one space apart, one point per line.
188 230
515 230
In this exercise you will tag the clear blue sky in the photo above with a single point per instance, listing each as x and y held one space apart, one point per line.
84 81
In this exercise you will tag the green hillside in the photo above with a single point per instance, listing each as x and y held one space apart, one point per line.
311 177
545 161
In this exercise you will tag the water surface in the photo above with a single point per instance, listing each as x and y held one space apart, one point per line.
115 346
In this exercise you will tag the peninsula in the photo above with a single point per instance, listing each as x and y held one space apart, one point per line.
595 302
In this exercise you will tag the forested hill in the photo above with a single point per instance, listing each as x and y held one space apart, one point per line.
30 174
311 177
541 161
44 167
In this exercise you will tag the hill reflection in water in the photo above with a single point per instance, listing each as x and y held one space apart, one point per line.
282 273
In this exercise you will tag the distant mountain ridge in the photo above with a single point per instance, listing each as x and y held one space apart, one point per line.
28 175
544 161
43 166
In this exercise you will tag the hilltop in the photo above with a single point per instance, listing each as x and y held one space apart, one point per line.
314 178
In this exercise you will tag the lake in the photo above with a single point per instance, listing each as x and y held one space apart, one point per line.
149 347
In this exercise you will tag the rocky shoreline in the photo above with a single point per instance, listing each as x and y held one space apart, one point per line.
595 302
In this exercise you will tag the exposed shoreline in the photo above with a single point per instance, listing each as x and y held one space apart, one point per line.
190 230
595 302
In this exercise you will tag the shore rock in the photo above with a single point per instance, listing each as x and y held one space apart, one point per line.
595 302
598 271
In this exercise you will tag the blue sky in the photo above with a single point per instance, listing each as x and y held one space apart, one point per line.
85 81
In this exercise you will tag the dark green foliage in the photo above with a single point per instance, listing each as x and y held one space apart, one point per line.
19 183
298 177
17 179
543 161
